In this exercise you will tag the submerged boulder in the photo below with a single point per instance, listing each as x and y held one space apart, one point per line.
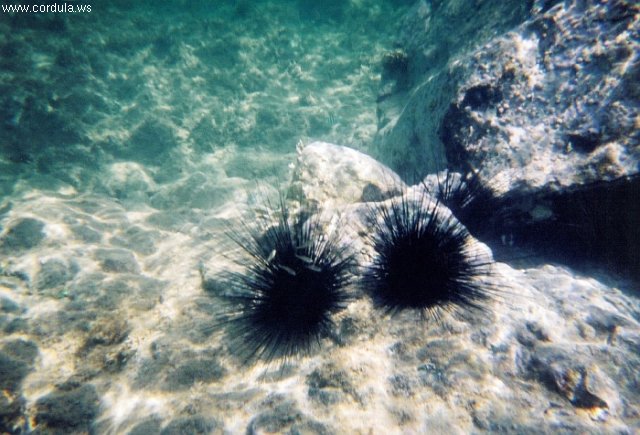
534 108
331 174
546 114
540 111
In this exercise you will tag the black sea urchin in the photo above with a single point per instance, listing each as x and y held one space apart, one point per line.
295 281
471 201
423 259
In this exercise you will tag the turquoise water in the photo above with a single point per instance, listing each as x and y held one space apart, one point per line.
134 137
130 136
165 84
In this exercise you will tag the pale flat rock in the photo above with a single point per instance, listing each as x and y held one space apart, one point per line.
326 174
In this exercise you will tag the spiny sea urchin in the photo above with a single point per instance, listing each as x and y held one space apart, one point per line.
472 202
424 258
294 282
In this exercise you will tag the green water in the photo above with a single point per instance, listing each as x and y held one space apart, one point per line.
133 140
166 85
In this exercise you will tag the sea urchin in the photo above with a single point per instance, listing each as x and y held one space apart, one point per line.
285 297
424 258
471 201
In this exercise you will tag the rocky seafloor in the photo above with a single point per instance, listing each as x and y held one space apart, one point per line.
128 157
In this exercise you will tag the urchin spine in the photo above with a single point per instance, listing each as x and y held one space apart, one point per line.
295 281
423 259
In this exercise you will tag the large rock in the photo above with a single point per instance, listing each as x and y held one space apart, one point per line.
548 112
327 174
549 105
541 110
417 85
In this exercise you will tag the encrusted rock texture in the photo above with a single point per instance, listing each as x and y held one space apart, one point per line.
550 105
104 338
548 114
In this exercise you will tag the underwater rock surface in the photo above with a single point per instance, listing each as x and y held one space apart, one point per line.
546 113
554 103
552 343
418 81
354 176
549 105
129 342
